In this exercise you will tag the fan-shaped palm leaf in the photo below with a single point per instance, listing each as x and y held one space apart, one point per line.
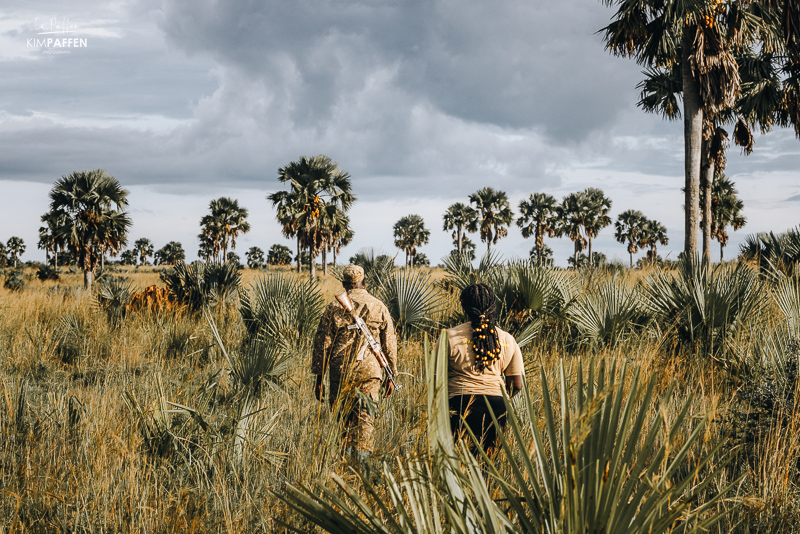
705 307
608 313
414 301
282 311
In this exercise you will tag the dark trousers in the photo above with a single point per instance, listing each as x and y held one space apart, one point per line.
477 416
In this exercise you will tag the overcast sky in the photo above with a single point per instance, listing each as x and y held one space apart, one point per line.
422 102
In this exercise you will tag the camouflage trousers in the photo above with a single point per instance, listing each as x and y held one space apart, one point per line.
359 425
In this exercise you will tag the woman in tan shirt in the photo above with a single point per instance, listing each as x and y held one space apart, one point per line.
484 360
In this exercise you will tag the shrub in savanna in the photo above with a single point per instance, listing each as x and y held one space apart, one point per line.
200 285
114 294
15 281
605 315
702 307
413 300
281 310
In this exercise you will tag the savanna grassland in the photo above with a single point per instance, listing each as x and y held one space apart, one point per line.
184 420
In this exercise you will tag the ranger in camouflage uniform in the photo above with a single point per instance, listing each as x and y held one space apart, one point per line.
341 348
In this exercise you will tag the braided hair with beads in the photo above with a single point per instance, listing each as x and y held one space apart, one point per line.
479 305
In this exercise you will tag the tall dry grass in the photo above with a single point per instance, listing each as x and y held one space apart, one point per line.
75 457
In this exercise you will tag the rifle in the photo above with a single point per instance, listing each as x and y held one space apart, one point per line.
374 346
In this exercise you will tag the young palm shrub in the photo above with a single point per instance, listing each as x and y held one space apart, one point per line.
282 310
608 313
413 300
607 462
113 296
773 251
257 365
461 273
200 285
786 294
14 281
528 294
706 307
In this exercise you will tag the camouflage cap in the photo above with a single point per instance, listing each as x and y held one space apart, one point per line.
352 274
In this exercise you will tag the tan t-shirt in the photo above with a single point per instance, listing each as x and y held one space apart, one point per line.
464 379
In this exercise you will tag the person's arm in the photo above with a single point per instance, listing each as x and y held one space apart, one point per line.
319 356
513 385
515 368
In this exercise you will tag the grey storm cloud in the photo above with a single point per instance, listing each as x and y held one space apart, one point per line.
509 63
438 93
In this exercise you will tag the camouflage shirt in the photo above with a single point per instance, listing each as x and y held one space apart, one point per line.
342 349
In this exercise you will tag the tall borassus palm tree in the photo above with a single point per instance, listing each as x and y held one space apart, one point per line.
15 248
652 234
410 233
337 233
48 240
494 212
691 47
144 249
537 218
255 258
314 183
570 217
170 254
460 218
596 215
726 210
628 228
92 206
223 225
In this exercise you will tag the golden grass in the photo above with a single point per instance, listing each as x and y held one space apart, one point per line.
73 457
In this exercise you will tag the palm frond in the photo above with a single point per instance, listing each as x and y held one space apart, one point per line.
281 310
608 313
413 300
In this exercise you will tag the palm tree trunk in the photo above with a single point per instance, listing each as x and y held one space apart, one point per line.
335 253
591 263
706 179
721 246
87 273
325 260
631 255
460 234
692 141
575 256
313 257
55 259
299 255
